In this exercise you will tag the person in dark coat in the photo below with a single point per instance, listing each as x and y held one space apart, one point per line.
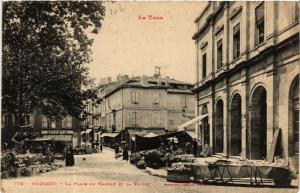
101 147
125 153
195 147
116 150
69 156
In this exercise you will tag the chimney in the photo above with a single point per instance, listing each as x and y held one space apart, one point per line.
143 80
167 80
157 71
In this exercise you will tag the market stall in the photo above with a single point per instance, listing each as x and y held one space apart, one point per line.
218 170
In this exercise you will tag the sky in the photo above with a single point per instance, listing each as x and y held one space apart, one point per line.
128 44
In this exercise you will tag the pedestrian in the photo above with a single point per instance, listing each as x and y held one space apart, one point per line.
125 153
97 146
116 150
195 147
188 148
69 156
101 147
48 154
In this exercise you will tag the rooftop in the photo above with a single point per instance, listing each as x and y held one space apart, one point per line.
148 82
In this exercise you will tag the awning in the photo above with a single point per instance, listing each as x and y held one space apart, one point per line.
151 134
88 130
143 132
60 137
109 134
192 134
82 132
200 117
40 139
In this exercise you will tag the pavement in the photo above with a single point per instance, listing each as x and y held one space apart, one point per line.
101 172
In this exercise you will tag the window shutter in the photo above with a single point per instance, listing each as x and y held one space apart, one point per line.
155 98
133 116
44 121
236 29
137 118
70 121
259 12
137 95
128 119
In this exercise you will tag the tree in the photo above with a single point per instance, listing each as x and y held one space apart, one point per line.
45 49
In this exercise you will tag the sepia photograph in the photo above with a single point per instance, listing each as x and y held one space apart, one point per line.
149 96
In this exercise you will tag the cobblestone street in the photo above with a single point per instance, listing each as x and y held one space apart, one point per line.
103 172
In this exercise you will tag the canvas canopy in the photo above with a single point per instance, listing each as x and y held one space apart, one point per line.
147 143
151 135
40 139
109 135
194 120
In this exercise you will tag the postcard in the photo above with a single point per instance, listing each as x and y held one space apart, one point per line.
147 96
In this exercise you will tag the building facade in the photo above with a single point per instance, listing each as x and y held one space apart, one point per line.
247 78
143 103
63 132
148 103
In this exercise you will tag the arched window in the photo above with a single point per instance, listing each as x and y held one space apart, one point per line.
294 109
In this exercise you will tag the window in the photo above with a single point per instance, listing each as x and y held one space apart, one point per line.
53 124
135 97
295 116
67 122
236 41
135 118
204 66
155 118
7 120
184 102
219 54
260 23
155 98
26 119
44 121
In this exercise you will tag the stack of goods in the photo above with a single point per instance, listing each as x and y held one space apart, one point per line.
154 159
16 165
178 173
135 157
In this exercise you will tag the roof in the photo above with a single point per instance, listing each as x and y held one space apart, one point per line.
151 134
149 82
179 91
202 12
144 132
109 134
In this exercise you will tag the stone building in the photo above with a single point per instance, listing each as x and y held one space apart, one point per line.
247 72
141 105
148 103
63 132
